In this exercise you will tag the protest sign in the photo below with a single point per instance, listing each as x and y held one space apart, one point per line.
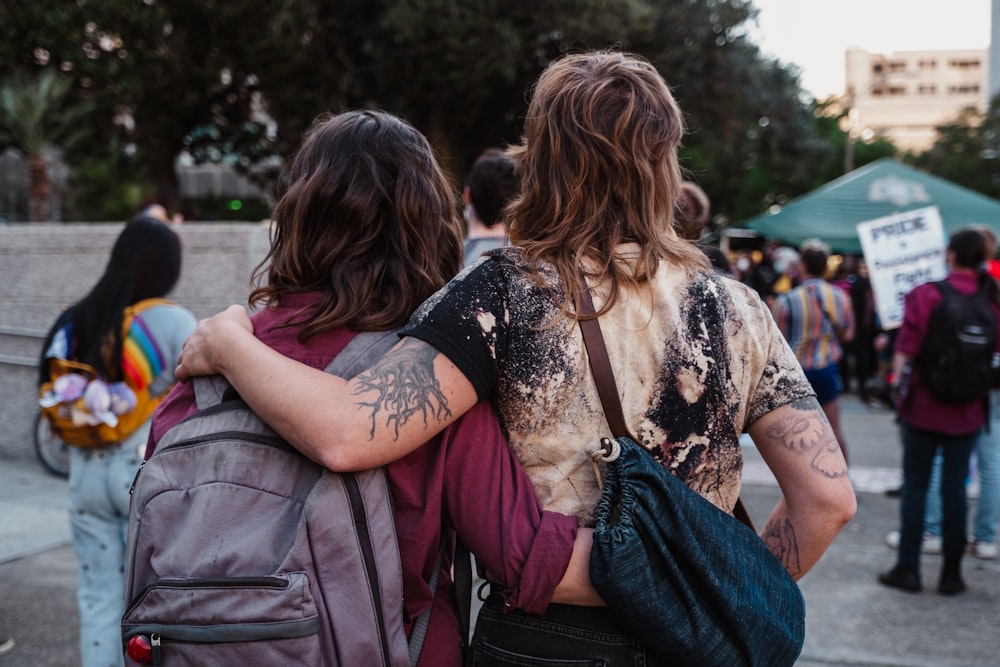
902 251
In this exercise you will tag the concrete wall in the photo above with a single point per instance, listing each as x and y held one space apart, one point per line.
46 266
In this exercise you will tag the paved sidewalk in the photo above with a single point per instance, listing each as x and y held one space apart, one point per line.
851 620
37 569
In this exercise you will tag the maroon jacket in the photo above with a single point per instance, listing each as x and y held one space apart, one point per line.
919 408
465 478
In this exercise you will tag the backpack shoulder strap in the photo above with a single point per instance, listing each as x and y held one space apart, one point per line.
820 300
140 306
63 323
944 287
462 567
364 350
361 352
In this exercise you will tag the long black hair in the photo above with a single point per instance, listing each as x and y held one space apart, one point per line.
145 263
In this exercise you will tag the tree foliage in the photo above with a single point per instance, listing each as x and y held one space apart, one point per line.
241 80
34 117
966 151
751 132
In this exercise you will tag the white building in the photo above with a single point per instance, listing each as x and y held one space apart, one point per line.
905 95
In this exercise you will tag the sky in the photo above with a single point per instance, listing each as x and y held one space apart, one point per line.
814 34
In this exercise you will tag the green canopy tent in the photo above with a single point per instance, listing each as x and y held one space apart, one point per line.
884 187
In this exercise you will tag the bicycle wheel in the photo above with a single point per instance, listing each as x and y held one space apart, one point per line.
52 452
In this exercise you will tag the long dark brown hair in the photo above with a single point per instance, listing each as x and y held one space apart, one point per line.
368 219
598 165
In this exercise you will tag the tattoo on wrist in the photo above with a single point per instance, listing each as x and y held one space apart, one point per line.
404 385
807 430
779 535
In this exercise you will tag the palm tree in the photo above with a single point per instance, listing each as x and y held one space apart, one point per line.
35 115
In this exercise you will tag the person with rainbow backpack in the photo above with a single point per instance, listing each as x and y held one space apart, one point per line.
107 362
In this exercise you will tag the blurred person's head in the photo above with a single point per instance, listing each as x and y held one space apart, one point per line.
368 219
784 259
157 212
598 165
691 214
491 184
991 240
813 255
718 259
967 249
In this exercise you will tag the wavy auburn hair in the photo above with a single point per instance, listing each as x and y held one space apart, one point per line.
368 219
598 166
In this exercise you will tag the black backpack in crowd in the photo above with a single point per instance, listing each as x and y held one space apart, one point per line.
956 357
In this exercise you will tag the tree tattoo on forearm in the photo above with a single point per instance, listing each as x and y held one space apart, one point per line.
807 431
404 385
779 535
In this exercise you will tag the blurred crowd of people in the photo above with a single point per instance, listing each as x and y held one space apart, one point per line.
774 269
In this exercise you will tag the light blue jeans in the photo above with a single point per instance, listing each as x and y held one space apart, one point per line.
988 468
98 502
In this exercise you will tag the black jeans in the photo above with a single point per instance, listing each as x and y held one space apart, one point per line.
565 636
919 448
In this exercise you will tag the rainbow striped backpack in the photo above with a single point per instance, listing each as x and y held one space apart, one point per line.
88 412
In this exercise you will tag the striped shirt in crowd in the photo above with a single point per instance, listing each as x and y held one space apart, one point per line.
813 317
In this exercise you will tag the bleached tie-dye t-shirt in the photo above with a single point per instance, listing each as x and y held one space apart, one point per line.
696 359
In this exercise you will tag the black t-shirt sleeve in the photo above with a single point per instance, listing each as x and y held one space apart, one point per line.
466 321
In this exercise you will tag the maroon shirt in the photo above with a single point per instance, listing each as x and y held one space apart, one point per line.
919 408
465 478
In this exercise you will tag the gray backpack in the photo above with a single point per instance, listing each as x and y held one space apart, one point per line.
241 551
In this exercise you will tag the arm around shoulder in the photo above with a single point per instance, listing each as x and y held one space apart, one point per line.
382 414
537 557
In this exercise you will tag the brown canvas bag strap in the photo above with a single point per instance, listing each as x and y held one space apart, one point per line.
600 366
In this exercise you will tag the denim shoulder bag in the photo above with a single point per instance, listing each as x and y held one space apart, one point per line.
693 583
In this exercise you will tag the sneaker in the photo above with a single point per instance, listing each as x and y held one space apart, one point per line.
6 646
931 544
983 550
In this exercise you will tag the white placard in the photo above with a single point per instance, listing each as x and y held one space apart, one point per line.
902 251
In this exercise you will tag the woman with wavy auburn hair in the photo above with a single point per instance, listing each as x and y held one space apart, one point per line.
697 357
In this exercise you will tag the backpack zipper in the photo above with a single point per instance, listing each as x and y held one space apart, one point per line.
221 582
271 441
367 556
135 480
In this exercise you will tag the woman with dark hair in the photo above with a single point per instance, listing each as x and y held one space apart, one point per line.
145 264
366 230
697 357
929 425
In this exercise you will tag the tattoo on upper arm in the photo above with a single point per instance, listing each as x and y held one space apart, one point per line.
404 385
779 535
806 429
